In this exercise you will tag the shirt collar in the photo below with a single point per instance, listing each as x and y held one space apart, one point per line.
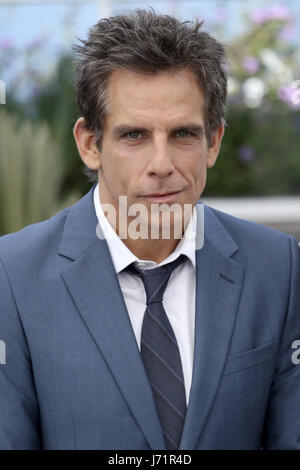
122 256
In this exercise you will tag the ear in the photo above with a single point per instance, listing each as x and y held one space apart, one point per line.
213 151
86 145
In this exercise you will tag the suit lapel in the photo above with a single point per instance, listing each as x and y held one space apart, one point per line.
218 286
93 285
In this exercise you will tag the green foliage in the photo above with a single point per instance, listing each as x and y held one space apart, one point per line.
30 174
273 169
260 152
230 176
56 105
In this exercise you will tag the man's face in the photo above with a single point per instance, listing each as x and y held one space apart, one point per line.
154 148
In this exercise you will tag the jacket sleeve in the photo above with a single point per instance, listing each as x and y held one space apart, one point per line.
19 413
282 424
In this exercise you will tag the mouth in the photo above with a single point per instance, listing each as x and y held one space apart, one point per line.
161 197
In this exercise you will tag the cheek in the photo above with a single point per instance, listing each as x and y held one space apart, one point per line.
130 168
197 177
195 169
113 167
125 176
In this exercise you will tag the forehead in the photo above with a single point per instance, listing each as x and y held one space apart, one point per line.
170 95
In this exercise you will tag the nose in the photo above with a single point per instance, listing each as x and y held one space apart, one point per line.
161 163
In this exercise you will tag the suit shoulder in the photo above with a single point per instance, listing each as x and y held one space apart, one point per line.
33 238
254 237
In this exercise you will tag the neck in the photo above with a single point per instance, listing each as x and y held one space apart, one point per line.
153 250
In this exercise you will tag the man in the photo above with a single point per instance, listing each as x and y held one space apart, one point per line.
77 313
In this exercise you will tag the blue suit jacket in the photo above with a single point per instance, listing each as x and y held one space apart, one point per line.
74 377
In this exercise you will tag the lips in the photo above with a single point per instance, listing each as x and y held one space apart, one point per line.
161 197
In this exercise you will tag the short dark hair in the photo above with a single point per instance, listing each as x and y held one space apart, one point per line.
149 43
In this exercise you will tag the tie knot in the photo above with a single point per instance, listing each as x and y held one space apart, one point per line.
155 280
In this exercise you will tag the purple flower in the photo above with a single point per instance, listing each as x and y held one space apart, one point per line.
275 12
6 43
246 153
221 14
285 92
290 95
259 15
279 12
36 44
287 33
250 64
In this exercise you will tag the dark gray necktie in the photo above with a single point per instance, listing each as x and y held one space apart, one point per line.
160 353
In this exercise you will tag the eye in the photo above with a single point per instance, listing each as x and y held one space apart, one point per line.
133 135
184 133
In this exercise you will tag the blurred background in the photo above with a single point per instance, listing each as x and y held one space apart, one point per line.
257 174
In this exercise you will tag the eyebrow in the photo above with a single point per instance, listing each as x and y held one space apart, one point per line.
126 128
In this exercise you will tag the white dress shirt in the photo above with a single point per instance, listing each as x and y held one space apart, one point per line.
179 296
